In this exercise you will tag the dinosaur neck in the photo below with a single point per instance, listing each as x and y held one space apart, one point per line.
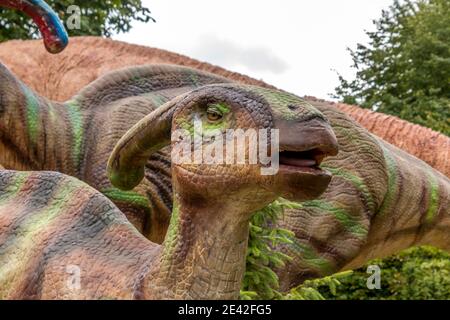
414 211
33 130
203 255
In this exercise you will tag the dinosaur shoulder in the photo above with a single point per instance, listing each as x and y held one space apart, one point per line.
51 196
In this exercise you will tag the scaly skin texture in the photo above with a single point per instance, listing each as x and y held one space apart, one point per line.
87 58
380 201
51 223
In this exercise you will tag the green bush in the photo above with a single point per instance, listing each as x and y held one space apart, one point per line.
417 273
310 290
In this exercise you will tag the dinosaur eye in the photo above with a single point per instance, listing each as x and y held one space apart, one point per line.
213 114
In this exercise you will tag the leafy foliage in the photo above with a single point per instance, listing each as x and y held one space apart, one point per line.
98 18
260 281
310 289
417 273
404 70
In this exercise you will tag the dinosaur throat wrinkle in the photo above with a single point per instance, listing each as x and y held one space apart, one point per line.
202 256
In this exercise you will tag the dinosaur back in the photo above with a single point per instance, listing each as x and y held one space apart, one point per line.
166 81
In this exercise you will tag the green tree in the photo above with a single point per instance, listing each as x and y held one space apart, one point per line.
98 18
404 70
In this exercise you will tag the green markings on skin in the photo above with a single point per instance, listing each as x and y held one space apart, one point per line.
357 181
208 128
171 239
156 99
433 196
184 124
131 197
213 128
52 114
346 134
15 260
76 120
220 107
14 186
281 102
193 76
32 114
391 192
341 215
310 257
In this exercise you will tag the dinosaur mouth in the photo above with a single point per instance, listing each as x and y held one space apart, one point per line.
300 173
304 145
308 160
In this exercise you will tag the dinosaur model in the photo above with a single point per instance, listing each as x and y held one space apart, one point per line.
50 222
332 233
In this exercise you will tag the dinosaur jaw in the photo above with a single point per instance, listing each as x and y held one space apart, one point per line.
307 161
303 147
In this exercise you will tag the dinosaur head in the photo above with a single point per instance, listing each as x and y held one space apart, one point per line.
52 29
217 130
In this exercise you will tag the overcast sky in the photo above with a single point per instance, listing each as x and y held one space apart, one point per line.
292 44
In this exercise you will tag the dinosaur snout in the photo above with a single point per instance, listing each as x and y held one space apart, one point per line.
313 138
303 147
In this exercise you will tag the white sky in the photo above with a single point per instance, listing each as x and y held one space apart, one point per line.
292 44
